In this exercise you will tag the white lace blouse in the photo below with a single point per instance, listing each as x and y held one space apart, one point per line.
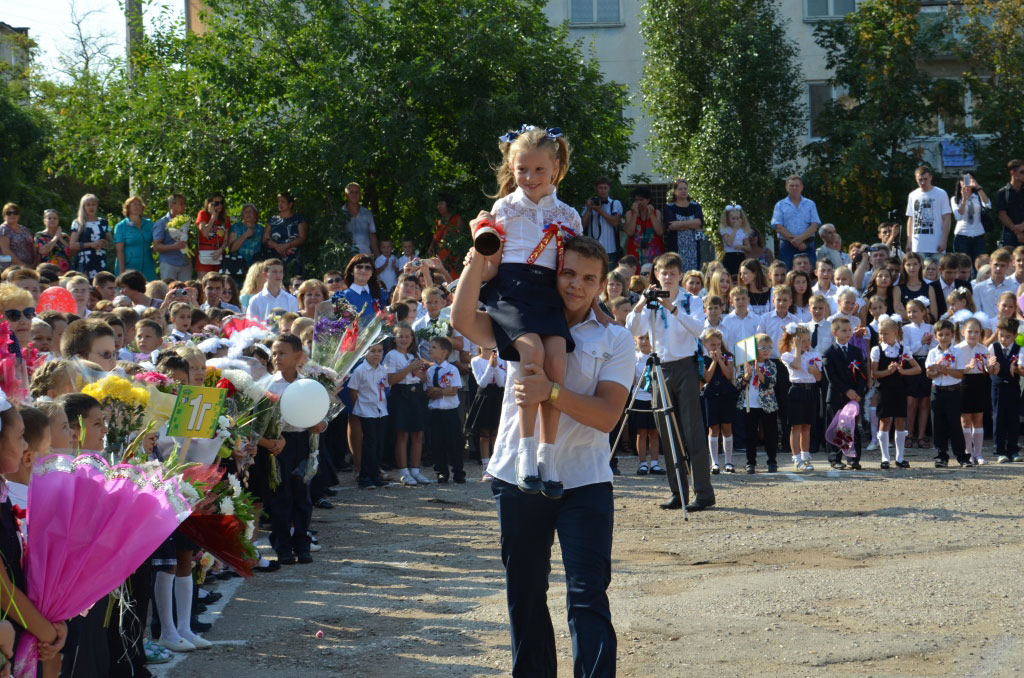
524 222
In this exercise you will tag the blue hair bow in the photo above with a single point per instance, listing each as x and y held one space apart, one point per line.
507 138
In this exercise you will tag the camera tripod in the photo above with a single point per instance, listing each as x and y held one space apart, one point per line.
665 408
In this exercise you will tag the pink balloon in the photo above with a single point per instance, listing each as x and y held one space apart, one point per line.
56 299
1020 303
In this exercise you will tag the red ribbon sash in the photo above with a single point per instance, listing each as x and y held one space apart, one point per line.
557 231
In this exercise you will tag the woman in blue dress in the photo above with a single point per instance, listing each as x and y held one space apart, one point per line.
133 240
364 289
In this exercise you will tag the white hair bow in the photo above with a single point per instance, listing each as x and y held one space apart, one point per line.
730 208
844 289
791 328
925 301
963 315
883 317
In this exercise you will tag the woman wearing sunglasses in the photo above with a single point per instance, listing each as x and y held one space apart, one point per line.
364 291
18 309
16 241
133 240
213 223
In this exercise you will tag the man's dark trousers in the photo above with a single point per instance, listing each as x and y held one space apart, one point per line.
682 386
583 519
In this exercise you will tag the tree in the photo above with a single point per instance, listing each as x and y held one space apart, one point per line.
407 98
993 47
864 162
721 87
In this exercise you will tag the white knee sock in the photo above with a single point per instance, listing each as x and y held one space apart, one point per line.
526 458
883 444
969 441
546 462
163 589
901 441
727 448
713 447
979 441
183 603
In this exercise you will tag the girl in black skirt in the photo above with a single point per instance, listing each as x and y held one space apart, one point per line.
893 367
521 296
804 366
407 405
918 338
719 398
485 412
975 387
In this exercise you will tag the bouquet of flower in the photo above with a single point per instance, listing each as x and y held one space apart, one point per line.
89 538
125 407
180 229
13 369
218 521
328 378
338 340
441 327
840 431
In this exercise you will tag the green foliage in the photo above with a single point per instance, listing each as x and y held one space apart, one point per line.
864 163
993 47
406 98
22 156
721 87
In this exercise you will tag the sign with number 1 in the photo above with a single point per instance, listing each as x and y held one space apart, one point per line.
196 411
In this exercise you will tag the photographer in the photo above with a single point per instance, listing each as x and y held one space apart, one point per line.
679 321
601 219
889 235
870 259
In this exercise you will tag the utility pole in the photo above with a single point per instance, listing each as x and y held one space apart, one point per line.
134 35
133 29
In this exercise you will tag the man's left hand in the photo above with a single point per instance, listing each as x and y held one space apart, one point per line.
533 386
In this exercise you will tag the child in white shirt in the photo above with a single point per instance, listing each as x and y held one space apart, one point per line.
443 383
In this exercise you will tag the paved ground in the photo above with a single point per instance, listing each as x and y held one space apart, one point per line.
870 573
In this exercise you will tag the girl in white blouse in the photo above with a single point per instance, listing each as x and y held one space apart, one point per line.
804 366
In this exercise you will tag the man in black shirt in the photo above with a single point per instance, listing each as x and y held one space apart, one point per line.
1010 205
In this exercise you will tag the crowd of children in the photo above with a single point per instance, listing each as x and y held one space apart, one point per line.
419 395
927 347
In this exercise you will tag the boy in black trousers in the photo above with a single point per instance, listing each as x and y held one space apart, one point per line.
290 506
846 371
1006 370
443 383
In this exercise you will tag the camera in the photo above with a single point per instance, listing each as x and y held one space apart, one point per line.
655 295
180 292
894 215
417 262
595 201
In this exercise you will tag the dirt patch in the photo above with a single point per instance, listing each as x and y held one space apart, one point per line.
874 573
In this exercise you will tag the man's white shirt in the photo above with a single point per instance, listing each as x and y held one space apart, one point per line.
602 354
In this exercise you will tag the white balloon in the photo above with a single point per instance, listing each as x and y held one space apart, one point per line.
304 403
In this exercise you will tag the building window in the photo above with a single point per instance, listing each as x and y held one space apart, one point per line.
594 12
828 9
819 95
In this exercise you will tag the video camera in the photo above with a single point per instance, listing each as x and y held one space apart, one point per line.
653 297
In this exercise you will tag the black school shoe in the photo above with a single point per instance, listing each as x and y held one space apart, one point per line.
772 467
903 464
459 478
305 559
552 489
751 469
855 465
442 478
